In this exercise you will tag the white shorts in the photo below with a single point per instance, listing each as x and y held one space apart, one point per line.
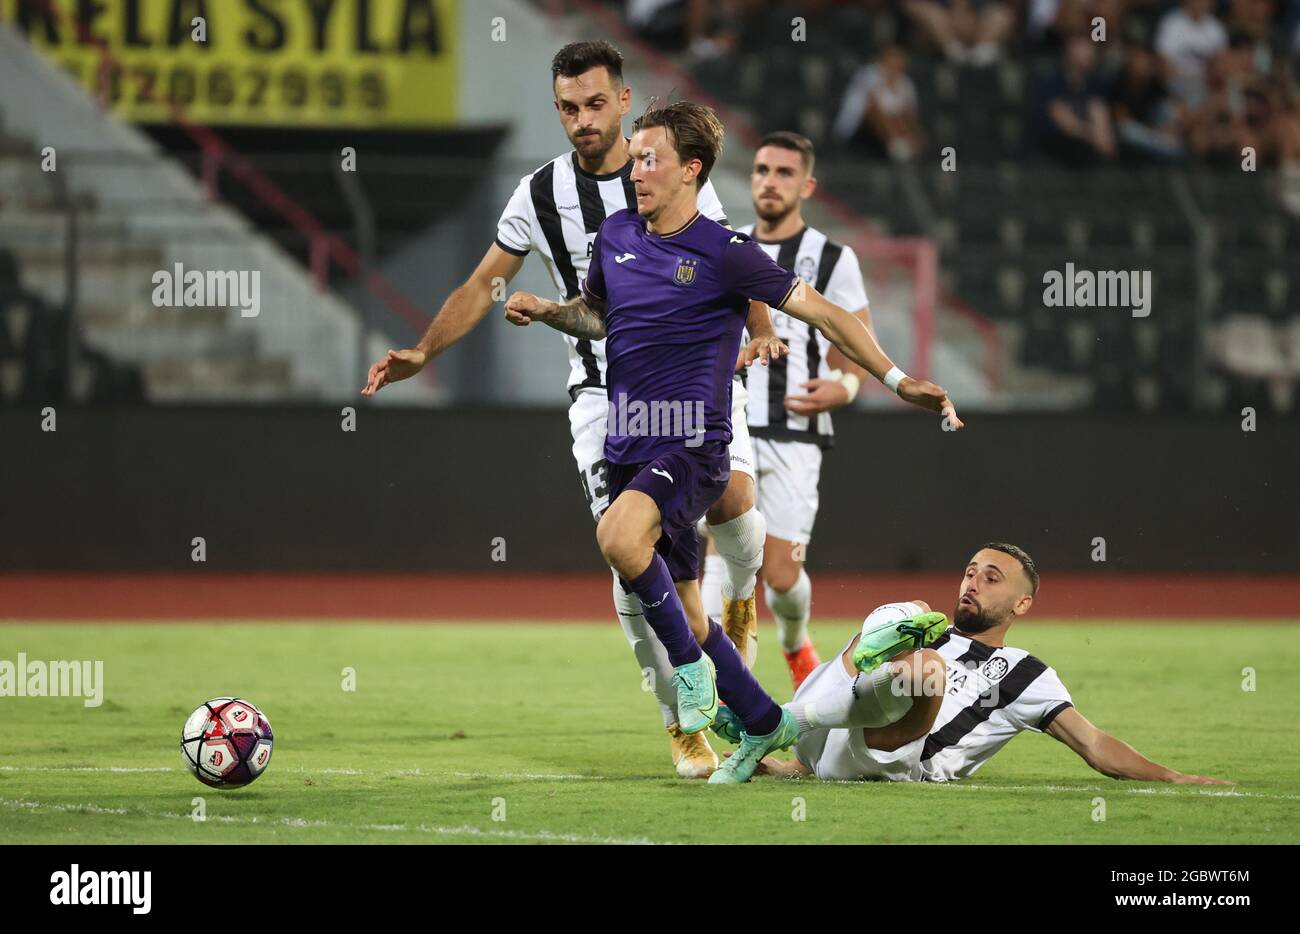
786 487
843 754
588 416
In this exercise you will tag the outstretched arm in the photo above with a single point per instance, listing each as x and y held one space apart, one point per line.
465 307
1114 757
763 343
826 395
583 316
851 336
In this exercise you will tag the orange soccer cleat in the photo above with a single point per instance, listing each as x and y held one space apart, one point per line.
802 661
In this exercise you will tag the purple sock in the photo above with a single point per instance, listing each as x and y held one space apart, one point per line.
738 687
663 611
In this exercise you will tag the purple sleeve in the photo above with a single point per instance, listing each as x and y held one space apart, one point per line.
594 284
748 271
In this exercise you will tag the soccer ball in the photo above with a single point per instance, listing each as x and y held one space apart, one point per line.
226 742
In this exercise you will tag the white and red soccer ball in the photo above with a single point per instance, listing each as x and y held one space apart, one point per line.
226 742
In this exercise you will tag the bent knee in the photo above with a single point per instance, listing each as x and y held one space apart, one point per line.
736 500
613 540
923 673
780 569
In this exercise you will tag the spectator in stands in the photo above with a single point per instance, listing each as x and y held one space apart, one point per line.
879 112
1288 155
1051 22
1295 48
1144 115
700 27
1187 38
1074 121
1250 23
1237 111
967 31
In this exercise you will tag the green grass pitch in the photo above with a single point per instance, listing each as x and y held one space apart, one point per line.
546 726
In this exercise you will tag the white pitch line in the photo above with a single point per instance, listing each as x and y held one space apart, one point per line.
529 776
542 836
300 770
80 808
77 768
1184 791
560 776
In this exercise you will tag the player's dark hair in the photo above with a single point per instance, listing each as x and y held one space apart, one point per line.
693 129
1026 562
577 58
785 139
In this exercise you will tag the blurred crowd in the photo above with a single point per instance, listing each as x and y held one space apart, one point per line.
1158 80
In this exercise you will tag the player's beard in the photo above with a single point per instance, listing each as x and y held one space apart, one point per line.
973 621
594 148
773 217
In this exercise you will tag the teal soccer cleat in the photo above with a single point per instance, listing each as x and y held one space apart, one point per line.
728 725
739 767
887 640
697 694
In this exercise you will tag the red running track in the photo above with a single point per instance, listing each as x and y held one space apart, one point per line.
586 597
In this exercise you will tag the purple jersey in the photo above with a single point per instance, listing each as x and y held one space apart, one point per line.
676 307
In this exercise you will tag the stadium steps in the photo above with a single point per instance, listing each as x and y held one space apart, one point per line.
129 192
247 379
128 329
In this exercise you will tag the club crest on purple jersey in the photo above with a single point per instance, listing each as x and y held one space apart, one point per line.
686 270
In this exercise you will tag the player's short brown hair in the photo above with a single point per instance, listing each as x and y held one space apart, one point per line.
578 58
785 139
693 129
1026 562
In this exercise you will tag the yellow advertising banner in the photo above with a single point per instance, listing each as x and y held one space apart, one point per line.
316 63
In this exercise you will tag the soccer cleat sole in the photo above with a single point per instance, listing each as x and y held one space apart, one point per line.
879 646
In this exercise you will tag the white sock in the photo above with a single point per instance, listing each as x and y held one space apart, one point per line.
791 611
715 570
864 701
740 542
651 656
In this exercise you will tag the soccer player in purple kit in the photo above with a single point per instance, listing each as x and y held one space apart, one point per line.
669 289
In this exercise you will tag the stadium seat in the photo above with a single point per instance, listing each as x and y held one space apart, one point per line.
1247 346
1291 331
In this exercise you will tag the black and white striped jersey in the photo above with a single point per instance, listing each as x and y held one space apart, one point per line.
992 694
832 269
556 212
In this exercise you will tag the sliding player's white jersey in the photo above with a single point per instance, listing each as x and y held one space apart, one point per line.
556 211
992 694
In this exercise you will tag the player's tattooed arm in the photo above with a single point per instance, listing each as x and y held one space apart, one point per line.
583 316
855 341
1114 757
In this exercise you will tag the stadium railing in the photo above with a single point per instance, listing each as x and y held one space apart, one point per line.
218 157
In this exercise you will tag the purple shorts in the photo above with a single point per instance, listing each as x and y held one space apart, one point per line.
684 483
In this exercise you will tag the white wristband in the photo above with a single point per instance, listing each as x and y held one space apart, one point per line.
893 378
849 381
